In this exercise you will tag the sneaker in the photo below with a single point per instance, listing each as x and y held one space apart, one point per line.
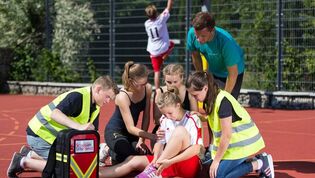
14 167
267 170
149 172
104 153
25 150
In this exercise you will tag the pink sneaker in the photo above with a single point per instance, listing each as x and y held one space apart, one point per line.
149 172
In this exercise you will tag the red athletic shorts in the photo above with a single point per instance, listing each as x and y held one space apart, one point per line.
188 168
157 61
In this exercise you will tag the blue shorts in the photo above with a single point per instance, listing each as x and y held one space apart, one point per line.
40 146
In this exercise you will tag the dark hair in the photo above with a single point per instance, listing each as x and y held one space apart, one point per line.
151 11
203 20
197 81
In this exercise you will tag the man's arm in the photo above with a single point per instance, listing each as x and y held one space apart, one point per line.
231 79
62 119
197 61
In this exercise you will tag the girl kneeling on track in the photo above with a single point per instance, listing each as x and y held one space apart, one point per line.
235 135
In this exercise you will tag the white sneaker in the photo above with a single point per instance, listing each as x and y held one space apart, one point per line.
103 153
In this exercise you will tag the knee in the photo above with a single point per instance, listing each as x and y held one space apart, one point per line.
180 132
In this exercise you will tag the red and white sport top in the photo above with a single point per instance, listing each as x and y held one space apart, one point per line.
191 122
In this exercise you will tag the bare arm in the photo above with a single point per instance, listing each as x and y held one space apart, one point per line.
146 112
226 129
157 151
62 119
231 79
196 58
156 111
169 5
123 102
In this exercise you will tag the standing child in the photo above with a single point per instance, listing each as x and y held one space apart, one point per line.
173 153
159 46
77 109
235 135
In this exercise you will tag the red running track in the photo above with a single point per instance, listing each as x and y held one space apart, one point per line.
289 135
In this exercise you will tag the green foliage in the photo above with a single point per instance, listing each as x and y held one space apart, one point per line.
21 67
46 66
21 22
74 25
92 70
49 67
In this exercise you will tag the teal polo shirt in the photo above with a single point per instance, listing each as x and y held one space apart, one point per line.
221 52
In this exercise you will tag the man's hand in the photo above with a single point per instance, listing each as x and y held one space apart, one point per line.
88 126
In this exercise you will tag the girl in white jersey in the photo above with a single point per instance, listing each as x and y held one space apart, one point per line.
175 152
159 46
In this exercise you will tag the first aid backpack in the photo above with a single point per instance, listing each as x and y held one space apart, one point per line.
74 154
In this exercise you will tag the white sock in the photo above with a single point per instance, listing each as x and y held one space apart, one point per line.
259 164
29 154
22 162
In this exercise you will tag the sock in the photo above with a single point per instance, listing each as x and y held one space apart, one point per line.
260 163
29 154
22 162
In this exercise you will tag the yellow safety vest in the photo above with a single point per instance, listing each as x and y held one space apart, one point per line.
46 128
246 139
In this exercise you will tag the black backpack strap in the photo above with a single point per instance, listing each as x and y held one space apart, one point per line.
49 169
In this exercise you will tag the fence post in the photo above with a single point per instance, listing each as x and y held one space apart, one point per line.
112 38
187 53
279 43
48 23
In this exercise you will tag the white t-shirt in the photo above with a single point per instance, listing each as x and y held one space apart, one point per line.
191 122
158 38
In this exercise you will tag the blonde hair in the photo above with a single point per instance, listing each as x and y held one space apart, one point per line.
133 71
168 98
151 11
174 69
106 83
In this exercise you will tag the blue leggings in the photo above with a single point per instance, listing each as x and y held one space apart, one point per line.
233 168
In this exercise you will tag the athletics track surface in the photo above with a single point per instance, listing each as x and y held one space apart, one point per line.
289 135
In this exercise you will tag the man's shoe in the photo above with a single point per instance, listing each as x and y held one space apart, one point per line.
14 167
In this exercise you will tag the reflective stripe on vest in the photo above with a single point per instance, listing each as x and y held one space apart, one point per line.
236 129
245 140
47 128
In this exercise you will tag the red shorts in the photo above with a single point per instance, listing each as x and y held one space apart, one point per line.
157 61
188 168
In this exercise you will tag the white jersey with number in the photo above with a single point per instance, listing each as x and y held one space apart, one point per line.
191 122
158 38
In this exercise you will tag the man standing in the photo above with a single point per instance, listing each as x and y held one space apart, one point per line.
224 56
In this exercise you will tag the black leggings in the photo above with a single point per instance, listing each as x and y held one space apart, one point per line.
121 145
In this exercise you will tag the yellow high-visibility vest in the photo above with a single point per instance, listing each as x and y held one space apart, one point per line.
46 128
246 139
